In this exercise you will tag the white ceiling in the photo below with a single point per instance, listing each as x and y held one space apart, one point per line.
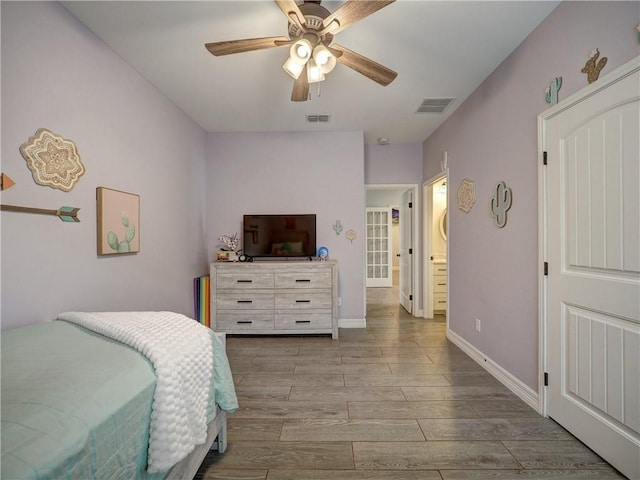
438 48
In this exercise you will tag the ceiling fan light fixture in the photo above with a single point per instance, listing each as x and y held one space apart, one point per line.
314 72
324 59
293 68
301 50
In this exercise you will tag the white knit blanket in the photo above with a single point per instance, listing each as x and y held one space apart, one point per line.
181 352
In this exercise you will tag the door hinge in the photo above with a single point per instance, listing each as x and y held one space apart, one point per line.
410 297
546 379
410 204
544 158
411 251
546 268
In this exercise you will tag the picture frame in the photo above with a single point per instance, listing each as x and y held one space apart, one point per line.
118 220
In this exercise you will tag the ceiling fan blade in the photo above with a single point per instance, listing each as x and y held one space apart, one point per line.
350 12
247 45
376 72
300 92
291 11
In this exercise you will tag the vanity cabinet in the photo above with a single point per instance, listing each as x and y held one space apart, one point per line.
275 297
439 287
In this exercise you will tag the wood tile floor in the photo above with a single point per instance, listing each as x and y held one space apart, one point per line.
394 401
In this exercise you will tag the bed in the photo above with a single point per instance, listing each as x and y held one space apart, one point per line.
81 403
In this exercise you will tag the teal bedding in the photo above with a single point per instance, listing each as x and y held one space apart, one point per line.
76 405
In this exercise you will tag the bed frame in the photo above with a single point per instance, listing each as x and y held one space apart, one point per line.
187 468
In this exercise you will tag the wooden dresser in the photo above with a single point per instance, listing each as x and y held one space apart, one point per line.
275 297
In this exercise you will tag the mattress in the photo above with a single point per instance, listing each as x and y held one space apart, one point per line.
78 405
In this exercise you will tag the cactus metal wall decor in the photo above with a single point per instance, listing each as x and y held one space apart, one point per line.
500 204
118 222
53 160
551 92
593 69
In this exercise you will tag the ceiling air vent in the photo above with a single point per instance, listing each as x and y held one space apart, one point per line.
318 118
434 105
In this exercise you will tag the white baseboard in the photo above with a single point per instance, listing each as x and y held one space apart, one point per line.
526 393
352 323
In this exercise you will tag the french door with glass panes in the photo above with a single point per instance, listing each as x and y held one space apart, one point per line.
379 261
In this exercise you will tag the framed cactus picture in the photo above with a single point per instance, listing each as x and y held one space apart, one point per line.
118 222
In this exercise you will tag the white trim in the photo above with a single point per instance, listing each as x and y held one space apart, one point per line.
525 392
352 323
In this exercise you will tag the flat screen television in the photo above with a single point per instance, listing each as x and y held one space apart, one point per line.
279 235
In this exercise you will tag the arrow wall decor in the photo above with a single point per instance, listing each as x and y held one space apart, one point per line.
66 214
6 181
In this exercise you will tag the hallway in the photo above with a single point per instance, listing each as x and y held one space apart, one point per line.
393 401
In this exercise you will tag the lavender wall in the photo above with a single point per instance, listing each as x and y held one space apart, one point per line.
58 75
321 173
393 164
492 136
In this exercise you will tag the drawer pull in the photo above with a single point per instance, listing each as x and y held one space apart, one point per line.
303 301
244 322
441 284
244 281
245 301
302 280
303 321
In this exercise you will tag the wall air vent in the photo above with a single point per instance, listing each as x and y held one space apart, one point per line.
318 118
434 105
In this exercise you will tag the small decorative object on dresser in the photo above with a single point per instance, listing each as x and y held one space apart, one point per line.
275 297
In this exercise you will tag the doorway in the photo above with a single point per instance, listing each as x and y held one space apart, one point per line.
402 215
436 226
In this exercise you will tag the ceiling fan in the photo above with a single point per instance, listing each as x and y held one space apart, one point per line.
312 53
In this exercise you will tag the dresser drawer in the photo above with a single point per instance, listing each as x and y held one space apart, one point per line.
303 299
440 269
302 279
439 284
229 320
439 301
244 281
308 321
244 300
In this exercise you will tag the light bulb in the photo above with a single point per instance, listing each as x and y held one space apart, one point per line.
303 52
323 57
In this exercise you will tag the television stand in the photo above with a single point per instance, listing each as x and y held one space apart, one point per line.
275 297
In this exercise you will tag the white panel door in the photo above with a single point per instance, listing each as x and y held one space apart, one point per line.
593 285
406 251
379 259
